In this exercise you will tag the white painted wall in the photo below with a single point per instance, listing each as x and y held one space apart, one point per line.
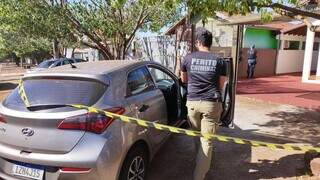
160 49
222 35
289 61
90 53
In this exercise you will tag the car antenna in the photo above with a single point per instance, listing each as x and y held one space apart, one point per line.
72 66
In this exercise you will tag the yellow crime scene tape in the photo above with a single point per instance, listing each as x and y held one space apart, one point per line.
22 94
145 123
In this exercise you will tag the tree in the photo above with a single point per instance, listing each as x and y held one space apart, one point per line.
32 24
298 9
110 26
12 42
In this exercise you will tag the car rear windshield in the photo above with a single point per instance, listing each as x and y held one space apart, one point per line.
45 64
57 92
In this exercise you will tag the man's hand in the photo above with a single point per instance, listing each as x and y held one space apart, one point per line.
184 76
222 80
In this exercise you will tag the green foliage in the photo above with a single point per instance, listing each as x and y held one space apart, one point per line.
107 25
266 16
29 26
12 42
116 22
208 8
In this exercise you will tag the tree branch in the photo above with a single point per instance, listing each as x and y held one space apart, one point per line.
291 11
295 10
139 22
93 37
89 45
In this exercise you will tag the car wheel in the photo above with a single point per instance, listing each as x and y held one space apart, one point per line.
135 165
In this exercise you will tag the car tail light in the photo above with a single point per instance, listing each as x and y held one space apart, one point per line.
91 122
2 120
71 169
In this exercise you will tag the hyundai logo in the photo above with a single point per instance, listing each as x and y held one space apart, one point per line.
27 131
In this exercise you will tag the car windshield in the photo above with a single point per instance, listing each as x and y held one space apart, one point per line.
57 91
45 64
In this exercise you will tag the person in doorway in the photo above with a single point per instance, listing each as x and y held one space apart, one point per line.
252 61
202 70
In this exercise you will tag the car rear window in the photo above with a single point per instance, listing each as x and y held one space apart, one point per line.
57 92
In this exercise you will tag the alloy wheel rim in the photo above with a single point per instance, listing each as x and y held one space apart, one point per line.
136 169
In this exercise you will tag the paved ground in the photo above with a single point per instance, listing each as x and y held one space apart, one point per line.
9 72
277 109
285 89
255 119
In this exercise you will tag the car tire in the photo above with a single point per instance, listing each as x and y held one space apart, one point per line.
135 164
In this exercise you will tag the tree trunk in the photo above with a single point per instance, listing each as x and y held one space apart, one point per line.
72 53
105 55
56 52
123 50
21 62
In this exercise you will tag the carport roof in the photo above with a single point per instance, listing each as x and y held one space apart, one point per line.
252 19
280 26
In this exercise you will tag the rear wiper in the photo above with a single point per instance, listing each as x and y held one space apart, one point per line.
45 106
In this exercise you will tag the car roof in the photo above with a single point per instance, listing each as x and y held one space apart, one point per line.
91 68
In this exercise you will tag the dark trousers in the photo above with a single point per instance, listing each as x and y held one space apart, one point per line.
250 70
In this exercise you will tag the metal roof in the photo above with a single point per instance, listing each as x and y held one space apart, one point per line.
172 28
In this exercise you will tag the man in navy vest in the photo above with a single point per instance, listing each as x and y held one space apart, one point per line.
252 61
202 71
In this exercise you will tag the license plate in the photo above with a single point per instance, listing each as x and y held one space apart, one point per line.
28 171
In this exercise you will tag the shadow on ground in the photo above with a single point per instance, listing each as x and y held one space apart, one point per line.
176 159
311 95
297 123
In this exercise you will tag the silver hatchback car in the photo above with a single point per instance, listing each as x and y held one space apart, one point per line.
48 140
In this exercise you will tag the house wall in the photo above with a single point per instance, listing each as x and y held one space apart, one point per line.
160 49
266 63
261 38
222 51
85 54
290 61
222 35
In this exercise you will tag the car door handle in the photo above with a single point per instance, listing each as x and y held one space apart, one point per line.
142 108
